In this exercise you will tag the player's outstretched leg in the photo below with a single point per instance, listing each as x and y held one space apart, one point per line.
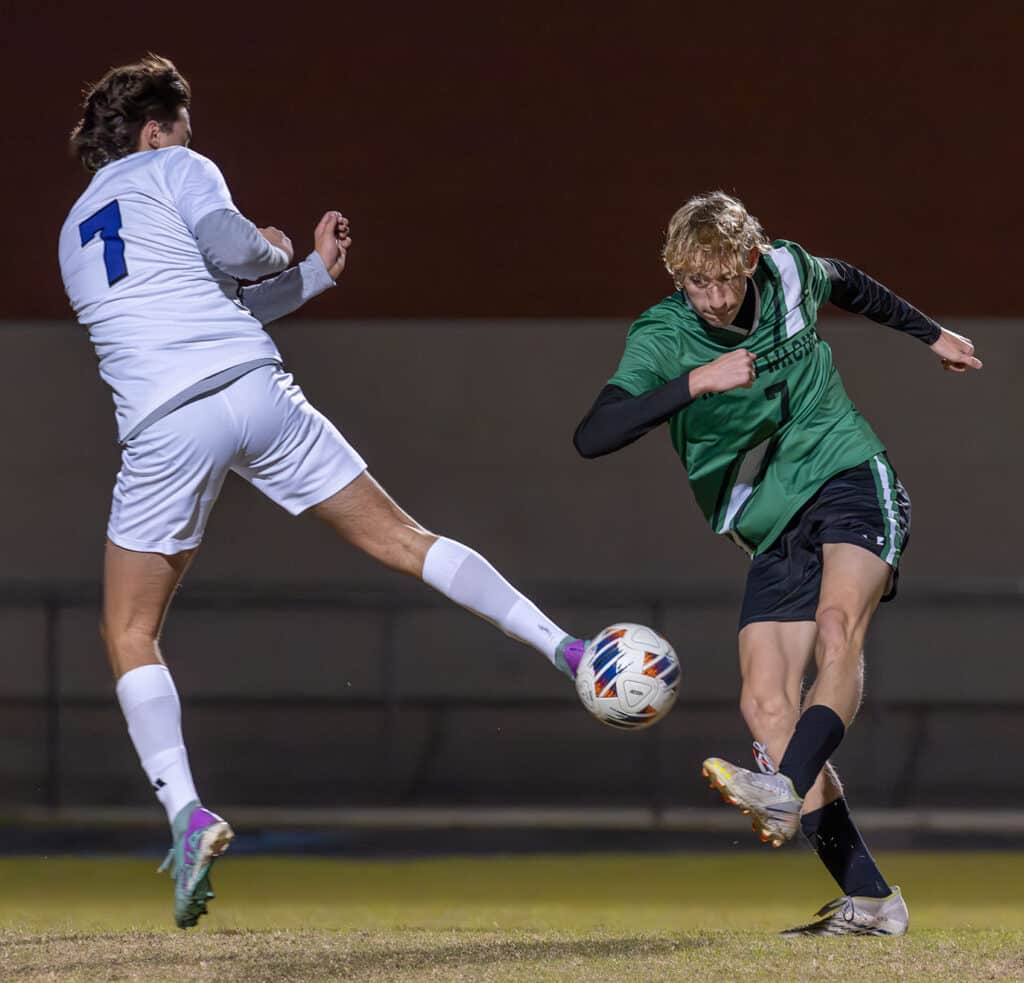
137 591
364 515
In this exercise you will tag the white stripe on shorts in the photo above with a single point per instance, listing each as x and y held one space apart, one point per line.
890 508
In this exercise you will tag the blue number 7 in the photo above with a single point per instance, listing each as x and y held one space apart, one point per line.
107 222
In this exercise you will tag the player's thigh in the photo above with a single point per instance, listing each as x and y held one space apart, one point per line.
774 656
852 584
170 477
289 451
171 474
298 458
363 514
138 587
862 522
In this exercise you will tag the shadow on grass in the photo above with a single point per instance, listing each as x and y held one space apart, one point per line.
351 956
475 953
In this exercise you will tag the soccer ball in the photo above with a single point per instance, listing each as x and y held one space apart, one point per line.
628 676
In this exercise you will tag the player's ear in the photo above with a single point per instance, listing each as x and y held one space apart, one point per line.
149 136
752 258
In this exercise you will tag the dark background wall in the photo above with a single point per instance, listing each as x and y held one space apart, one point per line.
523 159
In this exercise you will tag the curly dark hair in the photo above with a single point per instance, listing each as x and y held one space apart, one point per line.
121 103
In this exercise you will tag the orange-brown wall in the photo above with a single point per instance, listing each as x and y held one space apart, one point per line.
514 160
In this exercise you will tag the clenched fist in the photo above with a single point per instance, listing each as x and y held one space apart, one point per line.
332 239
734 370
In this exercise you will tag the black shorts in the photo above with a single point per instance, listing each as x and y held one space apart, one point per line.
866 506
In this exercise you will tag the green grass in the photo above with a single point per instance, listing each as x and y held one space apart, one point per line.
569 918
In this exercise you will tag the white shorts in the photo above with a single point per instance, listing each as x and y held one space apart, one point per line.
260 426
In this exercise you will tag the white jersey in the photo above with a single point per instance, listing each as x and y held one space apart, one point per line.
159 316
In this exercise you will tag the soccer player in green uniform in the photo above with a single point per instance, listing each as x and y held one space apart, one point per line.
780 461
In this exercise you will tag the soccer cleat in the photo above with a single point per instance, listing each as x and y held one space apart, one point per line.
200 836
568 654
769 800
858 916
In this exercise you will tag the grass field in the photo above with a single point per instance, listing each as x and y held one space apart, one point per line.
568 918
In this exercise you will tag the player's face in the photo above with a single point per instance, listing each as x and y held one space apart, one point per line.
716 295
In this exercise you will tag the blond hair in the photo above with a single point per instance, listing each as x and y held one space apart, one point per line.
712 233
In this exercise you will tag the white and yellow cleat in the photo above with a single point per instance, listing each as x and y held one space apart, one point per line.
769 800
858 916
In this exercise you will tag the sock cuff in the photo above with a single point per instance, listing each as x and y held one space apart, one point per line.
442 563
149 682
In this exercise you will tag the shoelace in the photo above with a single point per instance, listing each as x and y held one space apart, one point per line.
845 903
764 759
168 862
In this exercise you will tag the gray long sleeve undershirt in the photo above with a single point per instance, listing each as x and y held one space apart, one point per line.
231 243
288 291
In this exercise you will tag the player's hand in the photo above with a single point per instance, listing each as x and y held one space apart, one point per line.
734 370
332 239
955 352
277 238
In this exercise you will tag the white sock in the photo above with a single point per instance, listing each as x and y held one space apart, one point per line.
151 707
468 579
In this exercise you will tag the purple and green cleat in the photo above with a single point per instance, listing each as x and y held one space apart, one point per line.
200 836
568 655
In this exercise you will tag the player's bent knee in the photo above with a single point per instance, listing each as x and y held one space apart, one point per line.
127 642
767 714
835 630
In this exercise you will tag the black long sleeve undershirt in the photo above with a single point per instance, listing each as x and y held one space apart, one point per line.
854 291
618 418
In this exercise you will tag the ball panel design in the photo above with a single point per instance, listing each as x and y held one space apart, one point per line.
628 677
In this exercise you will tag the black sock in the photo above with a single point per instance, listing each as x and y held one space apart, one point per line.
841 849
818 733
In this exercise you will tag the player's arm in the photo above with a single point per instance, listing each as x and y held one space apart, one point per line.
618 418
854 291
227 239
287 292
231 243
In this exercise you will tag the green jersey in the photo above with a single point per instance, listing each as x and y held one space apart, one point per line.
755 456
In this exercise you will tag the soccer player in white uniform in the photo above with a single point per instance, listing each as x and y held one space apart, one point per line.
151 256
